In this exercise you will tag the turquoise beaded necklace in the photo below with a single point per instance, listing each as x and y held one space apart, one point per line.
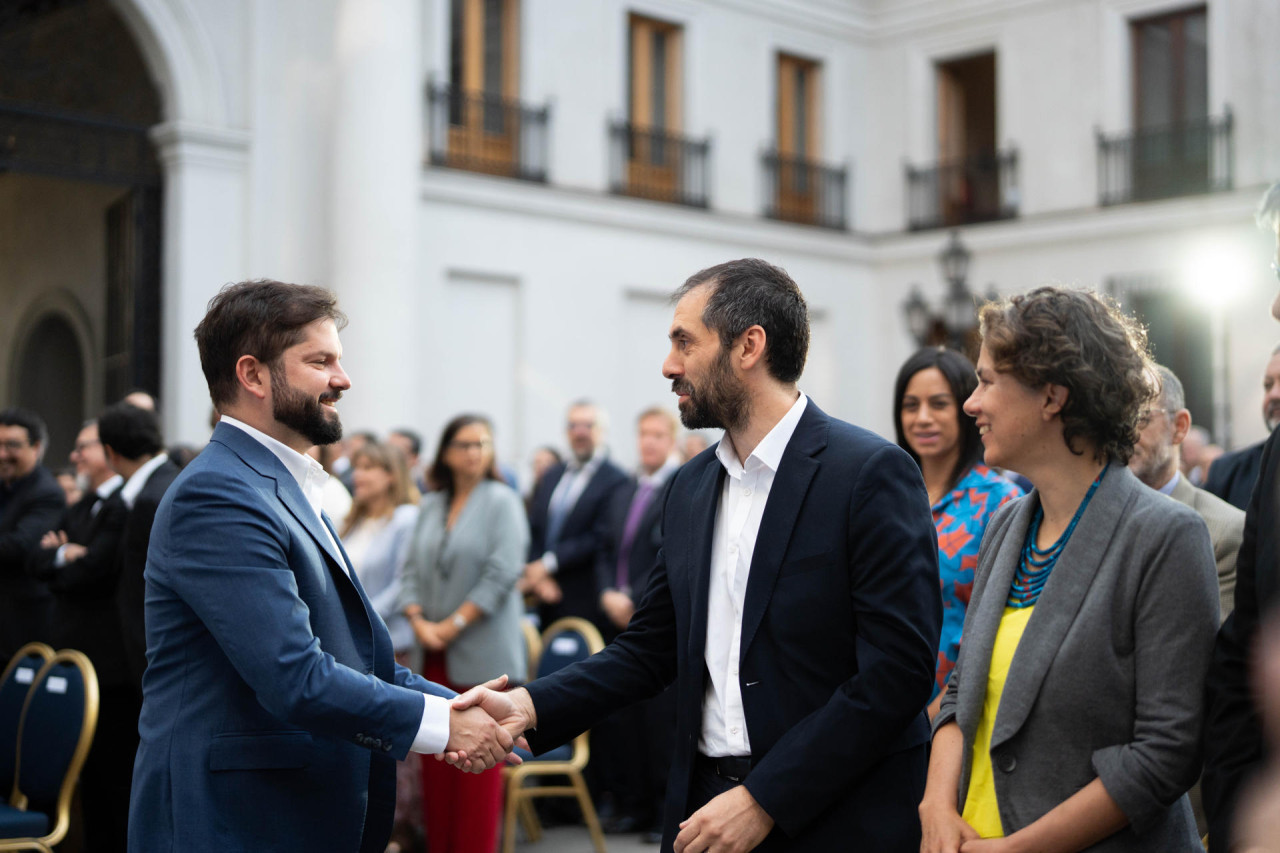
1036 563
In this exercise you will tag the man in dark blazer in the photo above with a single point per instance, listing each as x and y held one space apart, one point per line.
1233 742
795 604
81 563
567 521
273 709
1232 475
31 504
135 450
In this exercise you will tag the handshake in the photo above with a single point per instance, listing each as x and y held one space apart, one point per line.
485 725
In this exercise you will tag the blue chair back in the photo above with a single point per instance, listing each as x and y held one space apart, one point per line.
57 727
15 683
567 641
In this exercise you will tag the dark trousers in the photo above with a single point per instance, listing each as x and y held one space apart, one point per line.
107 776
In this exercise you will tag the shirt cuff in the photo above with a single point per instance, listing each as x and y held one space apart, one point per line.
60 558
433 731
550 562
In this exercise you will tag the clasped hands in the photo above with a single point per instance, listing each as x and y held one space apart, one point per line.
57 539
538 581
485 725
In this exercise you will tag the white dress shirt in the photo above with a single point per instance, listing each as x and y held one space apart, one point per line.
742 503
433 731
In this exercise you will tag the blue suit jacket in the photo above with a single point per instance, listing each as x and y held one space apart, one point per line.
839 642
273 709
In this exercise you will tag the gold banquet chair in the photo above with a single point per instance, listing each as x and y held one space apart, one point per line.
15 684
564 642
58 721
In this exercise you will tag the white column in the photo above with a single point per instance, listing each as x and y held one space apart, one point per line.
377 164
203 239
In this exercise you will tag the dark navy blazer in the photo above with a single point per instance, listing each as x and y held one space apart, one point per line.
839 642
273 709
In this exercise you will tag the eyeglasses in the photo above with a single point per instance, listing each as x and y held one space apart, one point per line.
467 446
82 446
14 444
572 425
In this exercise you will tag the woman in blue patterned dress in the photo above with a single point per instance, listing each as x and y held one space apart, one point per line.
964 493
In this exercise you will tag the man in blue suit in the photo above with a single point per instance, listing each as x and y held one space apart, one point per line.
795 603
273 710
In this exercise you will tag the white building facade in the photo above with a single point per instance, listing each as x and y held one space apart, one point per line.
510 252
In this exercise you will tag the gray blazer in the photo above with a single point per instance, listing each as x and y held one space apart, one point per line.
379 574
1107 681
478 561
1226 531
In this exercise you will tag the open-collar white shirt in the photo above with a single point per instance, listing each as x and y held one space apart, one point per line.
742 502
433 731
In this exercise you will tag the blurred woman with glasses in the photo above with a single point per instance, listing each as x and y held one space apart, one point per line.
459 595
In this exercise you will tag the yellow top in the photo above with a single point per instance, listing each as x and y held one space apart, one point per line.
981 810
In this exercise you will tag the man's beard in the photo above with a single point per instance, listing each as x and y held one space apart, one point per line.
1149 467
721 403
1272 417
305 415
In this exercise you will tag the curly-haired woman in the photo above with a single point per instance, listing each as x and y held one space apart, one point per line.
1071 719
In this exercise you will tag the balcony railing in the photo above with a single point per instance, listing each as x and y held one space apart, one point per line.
804 191
1189 158
981 188
482 132
654 164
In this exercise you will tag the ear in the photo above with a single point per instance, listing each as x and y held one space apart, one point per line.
1181 425
254 376
1055 399
753 343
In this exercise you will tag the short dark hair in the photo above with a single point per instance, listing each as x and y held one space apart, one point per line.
37 432
440 475
1077 339
415 440
751 292
129 431
260 318
959 373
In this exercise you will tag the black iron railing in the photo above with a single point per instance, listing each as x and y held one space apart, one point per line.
981 188
1188 158
804 191
76 147
657 165
482 132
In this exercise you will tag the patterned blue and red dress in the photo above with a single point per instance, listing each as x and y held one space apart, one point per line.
961 517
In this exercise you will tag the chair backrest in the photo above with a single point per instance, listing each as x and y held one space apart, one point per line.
567 641
532 644
58 722
19 674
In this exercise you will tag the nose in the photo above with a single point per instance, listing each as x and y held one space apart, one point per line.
670 366
340 380
972 406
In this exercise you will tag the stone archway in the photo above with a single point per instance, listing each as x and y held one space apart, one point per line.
51 381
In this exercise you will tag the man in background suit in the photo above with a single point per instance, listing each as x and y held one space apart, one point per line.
795 604
81 563
1155 462
634 745
1232 475
273 709
1233 742
134 449
566 521
31 504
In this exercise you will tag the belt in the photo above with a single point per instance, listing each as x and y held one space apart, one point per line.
732 767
